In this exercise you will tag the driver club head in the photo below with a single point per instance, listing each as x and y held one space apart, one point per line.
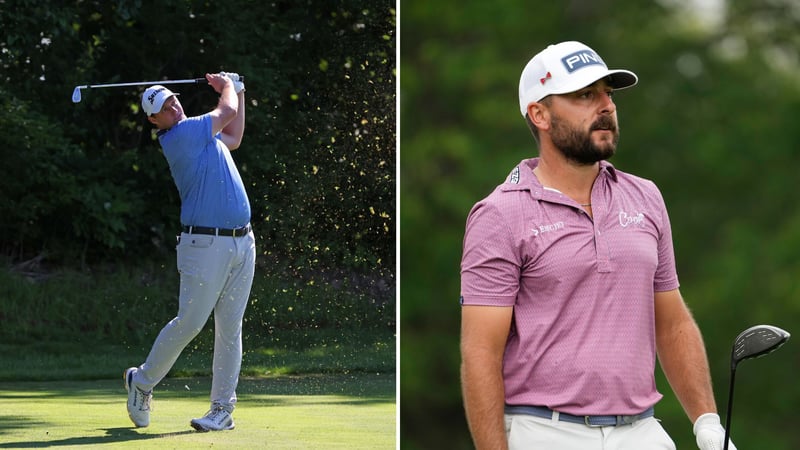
757 341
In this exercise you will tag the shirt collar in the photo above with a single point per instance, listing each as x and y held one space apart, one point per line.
522 178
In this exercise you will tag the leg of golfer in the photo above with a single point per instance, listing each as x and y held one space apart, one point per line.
228 316
204 263
535 433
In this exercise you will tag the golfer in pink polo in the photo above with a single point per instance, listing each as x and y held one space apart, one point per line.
568 284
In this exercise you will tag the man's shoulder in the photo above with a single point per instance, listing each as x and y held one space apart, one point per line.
638 185
518 180
506 198
623 176
193 121
627 178
188 130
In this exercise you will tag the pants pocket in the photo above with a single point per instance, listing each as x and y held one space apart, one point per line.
199 241
194 254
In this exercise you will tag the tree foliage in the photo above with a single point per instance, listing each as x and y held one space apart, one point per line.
86 181
711 122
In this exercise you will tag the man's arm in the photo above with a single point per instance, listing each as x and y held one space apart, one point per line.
228 105
484 331
682 354
233 132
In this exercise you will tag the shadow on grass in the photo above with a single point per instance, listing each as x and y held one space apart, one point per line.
21 427
112 435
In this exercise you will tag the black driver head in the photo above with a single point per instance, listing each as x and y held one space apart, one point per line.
757 341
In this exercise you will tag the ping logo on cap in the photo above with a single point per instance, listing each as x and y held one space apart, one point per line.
581 59
152 97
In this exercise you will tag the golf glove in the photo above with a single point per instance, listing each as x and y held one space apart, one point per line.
709 433
238 86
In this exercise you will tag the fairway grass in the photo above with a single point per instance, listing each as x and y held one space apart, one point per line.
342 411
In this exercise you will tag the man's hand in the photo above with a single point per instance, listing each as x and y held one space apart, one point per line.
710 434
238 85
218 81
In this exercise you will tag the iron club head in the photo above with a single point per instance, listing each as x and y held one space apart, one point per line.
757 341
76 94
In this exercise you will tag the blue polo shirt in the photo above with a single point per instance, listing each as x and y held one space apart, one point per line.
211 189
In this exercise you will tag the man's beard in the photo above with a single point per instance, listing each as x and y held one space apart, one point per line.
577 145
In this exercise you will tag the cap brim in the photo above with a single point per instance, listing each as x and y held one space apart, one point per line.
618 79
621 79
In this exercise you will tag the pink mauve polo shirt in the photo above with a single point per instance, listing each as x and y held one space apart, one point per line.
582 337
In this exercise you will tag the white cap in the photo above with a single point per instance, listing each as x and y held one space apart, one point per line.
154 97
563 68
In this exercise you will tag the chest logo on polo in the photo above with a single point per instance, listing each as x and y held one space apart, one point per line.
635 219
541 229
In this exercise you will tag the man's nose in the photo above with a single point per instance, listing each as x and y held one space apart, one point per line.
608 105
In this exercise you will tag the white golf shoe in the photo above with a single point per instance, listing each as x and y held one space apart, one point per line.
216 419
138 401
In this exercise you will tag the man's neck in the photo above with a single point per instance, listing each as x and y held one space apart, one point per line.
571 179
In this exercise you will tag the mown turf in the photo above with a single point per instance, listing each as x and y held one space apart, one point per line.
84 359
352 411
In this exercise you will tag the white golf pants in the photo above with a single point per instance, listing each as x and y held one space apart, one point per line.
535 433
216 274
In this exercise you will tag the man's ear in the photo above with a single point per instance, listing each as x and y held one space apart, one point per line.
539 115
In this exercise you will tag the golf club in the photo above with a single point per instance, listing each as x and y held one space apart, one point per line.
751 343
76 94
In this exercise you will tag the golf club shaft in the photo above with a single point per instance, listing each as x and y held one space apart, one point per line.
143 83
730 410
76 93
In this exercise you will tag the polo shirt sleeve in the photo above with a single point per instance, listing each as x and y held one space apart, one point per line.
666 276
490 264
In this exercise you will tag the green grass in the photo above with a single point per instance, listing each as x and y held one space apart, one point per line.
89 360
93 324
130 304
355 411
318 369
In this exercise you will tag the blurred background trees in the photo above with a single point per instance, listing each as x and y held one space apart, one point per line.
712 122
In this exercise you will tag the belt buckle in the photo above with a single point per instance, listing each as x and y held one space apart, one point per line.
588 423
627 420
618 420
